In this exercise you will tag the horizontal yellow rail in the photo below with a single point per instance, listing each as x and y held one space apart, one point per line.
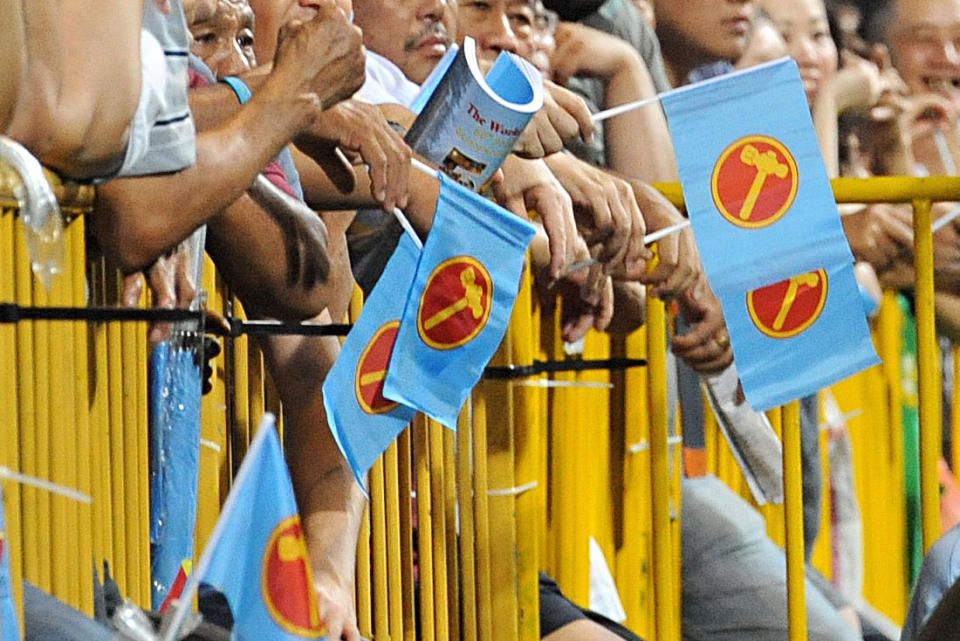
883 189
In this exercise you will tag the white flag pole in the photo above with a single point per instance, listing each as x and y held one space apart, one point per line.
624 108
652 237
946 219
7 474
183 605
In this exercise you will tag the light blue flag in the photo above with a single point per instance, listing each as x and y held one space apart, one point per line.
9 621
798 336
460 303
175 386
753 178
259 559
363 422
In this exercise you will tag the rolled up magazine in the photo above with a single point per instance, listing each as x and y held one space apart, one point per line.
472 120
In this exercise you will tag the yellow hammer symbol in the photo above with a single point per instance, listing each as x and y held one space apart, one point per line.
811 280
372 377
472 297
766 164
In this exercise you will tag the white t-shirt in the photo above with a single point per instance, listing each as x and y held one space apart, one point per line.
386 83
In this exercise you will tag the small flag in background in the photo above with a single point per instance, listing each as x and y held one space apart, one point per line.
9 620
460 303
798 336
364 422
753 177
256 555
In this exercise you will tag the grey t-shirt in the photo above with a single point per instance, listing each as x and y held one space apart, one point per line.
172 138
622 19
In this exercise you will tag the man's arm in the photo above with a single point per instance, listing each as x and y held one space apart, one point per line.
330 501
273 251
234 153
585 51
133 219
80 80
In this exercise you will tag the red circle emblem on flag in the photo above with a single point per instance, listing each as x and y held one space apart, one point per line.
372 370
288 582
787 308
755 181
455 304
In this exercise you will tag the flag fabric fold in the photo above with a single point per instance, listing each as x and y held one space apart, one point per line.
363 422
459 304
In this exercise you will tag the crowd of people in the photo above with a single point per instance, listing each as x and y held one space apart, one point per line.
278 125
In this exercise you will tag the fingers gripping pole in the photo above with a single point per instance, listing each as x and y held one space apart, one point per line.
400 216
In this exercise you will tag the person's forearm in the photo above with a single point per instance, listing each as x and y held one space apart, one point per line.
623 133
212 105
825 123
330 501
658 212
296 282
134 220
629 307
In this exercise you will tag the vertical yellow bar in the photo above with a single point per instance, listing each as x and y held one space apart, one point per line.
659 471
793 508
239 430
438 529
393 497
256 385
143 460
451 530
481 517
633 575
928 353
117 456
36 358
405 479
58 396
34 417
364 609
378 551
528 436
81 410
421 453
10 407
131 471
100 426
467 529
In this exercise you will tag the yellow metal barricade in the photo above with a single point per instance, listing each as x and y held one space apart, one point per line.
459 524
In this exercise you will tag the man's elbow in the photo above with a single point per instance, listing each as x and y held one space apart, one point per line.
73 137
127 238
